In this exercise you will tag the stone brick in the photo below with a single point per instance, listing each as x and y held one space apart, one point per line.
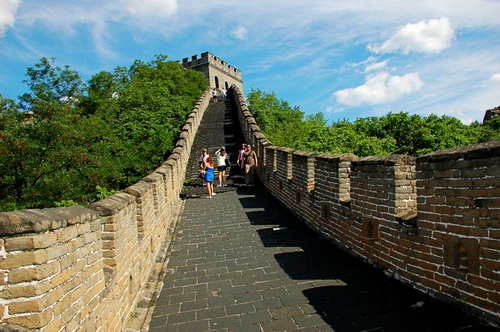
71 311
77 243
57 251
66 234
37 304
30 242
34 273
54 325
17 260
32 321
25 290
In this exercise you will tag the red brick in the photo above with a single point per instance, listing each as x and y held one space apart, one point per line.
481 282
443 279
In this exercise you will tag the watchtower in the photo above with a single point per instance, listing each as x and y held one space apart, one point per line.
220 73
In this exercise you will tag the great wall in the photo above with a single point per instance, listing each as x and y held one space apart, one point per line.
430 222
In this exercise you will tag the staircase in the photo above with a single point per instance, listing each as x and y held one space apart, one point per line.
219 127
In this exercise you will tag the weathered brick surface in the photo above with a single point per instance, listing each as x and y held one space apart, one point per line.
449 248
86 269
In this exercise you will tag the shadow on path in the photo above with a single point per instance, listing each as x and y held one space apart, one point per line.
242 262
348 294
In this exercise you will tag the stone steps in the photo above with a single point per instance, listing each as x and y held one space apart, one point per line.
219 127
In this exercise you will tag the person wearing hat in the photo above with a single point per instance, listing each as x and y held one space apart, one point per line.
222 158
203 159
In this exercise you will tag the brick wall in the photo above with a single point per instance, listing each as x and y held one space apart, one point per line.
87 268
431 222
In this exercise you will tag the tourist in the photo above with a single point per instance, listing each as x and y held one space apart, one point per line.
203 159
222 160
214 94
251 164
241 158
208 170
223 94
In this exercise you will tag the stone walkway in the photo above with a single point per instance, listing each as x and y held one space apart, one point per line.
241 262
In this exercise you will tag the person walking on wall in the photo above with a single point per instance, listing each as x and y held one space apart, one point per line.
208 170
223 94
203 159
251 164
222 160
241 158
214 94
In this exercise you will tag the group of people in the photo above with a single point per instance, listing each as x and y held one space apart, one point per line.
247 161
207 166
223 94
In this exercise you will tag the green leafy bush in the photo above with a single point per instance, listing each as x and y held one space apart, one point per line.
66 140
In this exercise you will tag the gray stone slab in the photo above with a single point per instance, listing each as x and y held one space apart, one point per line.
255 317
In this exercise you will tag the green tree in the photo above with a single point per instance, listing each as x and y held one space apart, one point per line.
489 131
67 142
150 104
272 114
43 138
395 133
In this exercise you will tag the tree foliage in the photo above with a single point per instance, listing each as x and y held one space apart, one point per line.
394 133
68 142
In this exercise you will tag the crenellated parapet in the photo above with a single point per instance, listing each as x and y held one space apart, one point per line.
431 222
220 73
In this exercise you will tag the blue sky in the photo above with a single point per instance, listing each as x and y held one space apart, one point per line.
346 59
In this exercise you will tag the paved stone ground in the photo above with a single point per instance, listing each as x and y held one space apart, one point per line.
241 262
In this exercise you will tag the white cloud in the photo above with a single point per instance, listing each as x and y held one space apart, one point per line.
495 78
239 32
376 66
8 9
380 88
148 8
426 37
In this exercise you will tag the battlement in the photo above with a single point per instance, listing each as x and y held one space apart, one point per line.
219 72
430 222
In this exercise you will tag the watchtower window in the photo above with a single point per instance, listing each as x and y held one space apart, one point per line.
369 230
216 82
325 211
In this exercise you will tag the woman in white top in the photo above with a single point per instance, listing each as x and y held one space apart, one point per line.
221 166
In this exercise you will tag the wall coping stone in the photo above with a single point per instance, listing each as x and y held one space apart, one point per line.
112 204
152 178
138 189
174 157
475 151
304 153
38 221
337 157
396 159
285 149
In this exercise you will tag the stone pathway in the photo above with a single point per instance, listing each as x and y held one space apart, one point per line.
241 262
